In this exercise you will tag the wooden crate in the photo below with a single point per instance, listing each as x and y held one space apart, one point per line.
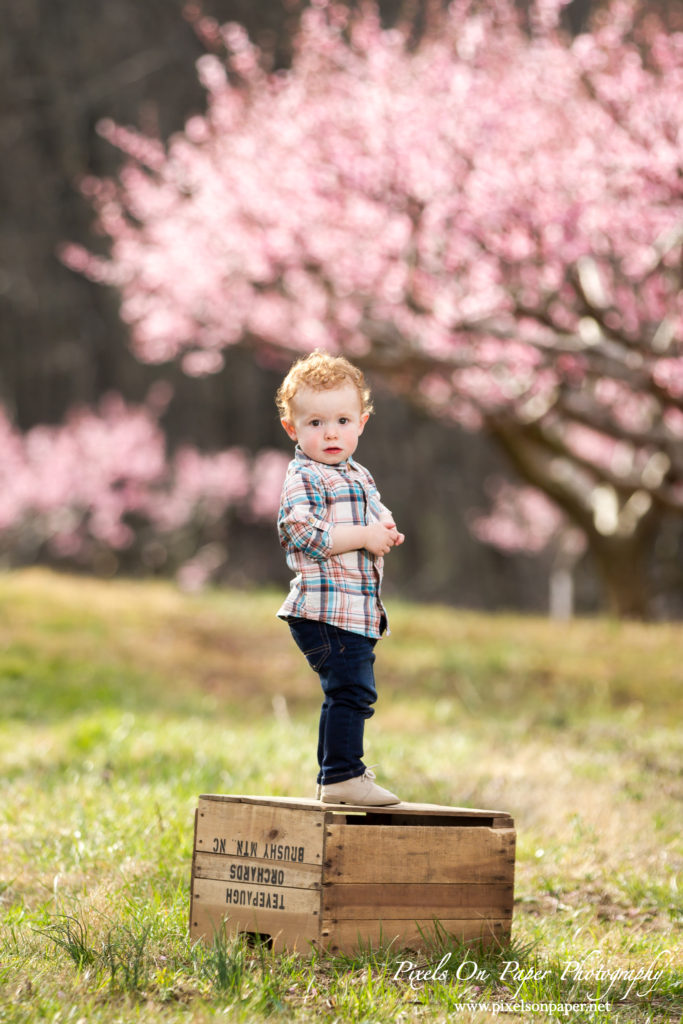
303 872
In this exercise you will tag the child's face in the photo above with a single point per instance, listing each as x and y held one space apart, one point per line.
327 424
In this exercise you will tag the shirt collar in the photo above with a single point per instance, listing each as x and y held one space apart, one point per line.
301 456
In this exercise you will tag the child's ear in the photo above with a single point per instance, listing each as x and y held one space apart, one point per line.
290 429
363 420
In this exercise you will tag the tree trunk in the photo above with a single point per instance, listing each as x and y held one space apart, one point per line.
622 559
623 565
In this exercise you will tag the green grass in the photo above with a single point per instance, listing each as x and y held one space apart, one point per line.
123 701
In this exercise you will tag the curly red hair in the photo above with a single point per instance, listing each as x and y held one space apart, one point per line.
321 372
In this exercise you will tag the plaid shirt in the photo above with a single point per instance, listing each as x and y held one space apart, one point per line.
340 589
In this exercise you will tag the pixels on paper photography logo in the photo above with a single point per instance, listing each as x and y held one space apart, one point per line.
522 988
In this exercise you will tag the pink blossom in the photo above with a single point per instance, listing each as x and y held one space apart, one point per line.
103 479
491 218
267 478
522 519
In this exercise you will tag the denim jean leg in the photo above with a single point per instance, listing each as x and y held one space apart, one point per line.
322 725
348 682
344 663
311 637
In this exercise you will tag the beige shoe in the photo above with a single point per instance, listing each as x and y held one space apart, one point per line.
361 790
318 791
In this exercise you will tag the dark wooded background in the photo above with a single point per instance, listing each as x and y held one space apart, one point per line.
65 64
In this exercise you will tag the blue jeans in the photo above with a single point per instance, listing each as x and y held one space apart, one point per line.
344 662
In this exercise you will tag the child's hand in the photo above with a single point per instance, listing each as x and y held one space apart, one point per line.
399 537
382 537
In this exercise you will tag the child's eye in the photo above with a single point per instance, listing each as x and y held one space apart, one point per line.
343 420
315 423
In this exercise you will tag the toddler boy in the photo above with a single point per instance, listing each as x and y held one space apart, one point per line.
335 531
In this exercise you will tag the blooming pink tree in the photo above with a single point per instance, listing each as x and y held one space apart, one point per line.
101 483
492 220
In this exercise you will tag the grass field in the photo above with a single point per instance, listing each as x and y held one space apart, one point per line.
122 701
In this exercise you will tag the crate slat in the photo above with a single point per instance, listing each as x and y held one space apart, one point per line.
236 898
348 936
356 901
274 833
294 932
305 803
369 854
256 872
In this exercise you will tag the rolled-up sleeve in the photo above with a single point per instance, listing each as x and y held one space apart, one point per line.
378 507
302 522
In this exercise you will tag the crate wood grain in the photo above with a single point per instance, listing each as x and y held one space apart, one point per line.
298 933
432 854
414 900
347 936
258 872
276 833
305 873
